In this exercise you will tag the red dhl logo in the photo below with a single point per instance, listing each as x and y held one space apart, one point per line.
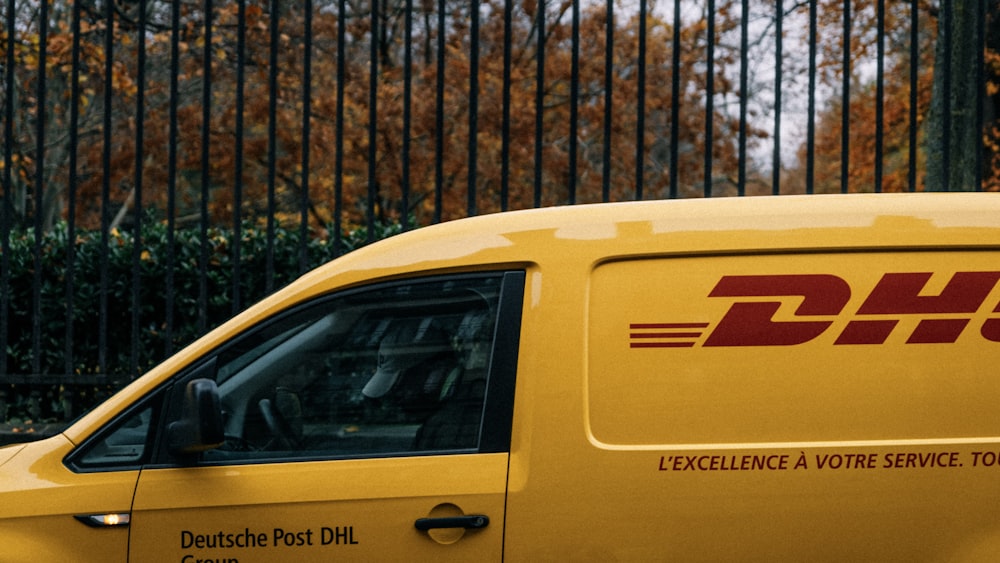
750 323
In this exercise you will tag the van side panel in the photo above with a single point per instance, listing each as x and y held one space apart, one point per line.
812 406
794 349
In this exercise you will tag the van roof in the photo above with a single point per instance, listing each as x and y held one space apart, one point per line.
719 225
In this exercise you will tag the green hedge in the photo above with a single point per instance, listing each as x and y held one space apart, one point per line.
40 389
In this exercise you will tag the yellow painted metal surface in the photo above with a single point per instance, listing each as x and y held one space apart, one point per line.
762 379
40 498
819 347
340 510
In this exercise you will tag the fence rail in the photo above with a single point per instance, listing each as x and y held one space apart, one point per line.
157 156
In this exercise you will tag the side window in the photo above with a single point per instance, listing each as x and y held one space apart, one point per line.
399 369
125 445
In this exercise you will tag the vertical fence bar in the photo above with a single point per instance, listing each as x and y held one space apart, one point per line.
675 103
640 119
206 140
980 91
609 66
106 131
779 18
811 111
744 85
640 102
173 136
238 149
911 175
508 11
373 119
338 156
73 142
539 98
39 191
404 212
879 91
574 100
140 125
473 105
947 25
845 104
306 134
439 113
8 187
710 96
272 138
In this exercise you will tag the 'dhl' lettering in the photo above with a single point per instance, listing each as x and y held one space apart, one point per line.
751 324
899 294
991 328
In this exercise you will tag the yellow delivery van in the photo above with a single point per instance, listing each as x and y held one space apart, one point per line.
760 379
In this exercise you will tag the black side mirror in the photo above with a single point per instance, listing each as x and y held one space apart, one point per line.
200 427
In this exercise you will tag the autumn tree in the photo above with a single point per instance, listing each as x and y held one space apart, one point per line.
196 116
953 130
886 130
40 87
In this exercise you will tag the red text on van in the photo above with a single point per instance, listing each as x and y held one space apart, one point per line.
824 297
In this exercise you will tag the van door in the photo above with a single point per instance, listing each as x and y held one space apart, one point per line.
374 424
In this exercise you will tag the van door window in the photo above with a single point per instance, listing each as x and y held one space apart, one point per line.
399 369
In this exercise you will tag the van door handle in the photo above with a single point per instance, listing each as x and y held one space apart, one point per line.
470 521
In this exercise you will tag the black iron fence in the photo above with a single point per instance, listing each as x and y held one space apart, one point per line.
164 164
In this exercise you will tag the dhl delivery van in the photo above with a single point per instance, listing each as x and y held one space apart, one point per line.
760 379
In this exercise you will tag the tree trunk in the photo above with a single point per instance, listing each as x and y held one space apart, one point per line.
952 129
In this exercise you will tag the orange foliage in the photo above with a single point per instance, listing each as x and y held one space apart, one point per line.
453 126
417 171
896 99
